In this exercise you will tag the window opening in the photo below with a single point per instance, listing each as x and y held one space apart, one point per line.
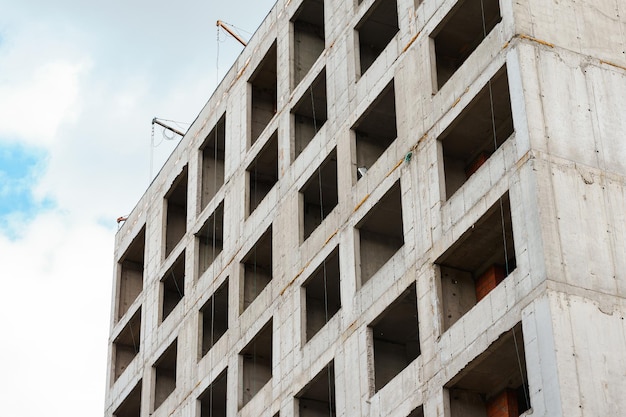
210 239
213 399
257 363
395 337
213 155
418 412
375 31
317 398
165 374
263 173
381 233
474 265
481 128
322 294
127 343
176 203
375 130
493 384
131 273
214 318
308 37
319 195
131 406
460 33
264 94
310 113
257 268
173 286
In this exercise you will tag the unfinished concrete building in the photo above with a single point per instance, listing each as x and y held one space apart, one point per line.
389 208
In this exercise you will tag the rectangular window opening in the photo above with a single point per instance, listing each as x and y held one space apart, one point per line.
323 298
257 363
213 154
210 239
309 114
474 265
308 37
317 398
320 195
381 233
126 345
263 173
395 336
214 318
460 33
375 31
469 141
131 406
418 412
213 400
165 375
257 268
176 203
173 286
264 94
375 130
131 273
504 393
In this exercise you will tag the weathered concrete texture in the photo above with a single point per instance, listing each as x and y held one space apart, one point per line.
315 243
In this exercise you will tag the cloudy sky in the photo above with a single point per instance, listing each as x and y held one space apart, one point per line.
80 82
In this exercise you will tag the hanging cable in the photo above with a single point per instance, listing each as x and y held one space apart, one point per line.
217 59
521 370
502 222
132 335
321 197
173 275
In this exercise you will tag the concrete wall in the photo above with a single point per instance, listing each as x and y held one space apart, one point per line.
563 168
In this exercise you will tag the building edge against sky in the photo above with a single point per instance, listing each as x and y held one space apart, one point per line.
389 208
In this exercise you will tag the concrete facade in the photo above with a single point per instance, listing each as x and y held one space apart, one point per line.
299 255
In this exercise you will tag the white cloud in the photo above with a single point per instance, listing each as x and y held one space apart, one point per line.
81 82
34 106
54 317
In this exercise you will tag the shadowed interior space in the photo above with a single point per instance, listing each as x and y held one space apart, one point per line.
322 294
263 87
375 130
381 233
460 33
256 363
481 128
257 268
375 30
131 267
477 262
395 338
213 153
495 383
308 37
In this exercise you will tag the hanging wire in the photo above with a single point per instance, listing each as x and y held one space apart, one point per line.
217 59
213 244
176 283
132 335
238 29
502 222
321 196
151 154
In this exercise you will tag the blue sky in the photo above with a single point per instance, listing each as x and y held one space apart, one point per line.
20 168
79 85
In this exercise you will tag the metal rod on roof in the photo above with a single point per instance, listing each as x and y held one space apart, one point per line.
160 123
230 32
